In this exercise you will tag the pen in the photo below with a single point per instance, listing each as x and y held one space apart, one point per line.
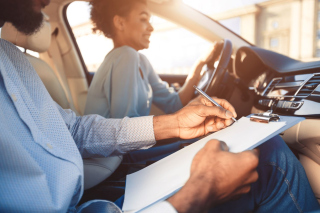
211 100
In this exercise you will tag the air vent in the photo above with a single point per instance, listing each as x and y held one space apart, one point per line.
309 86
271 85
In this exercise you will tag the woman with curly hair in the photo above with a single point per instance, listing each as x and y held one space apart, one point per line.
125 83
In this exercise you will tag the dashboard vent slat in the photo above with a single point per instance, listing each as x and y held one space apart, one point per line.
314 81
272 84
309 86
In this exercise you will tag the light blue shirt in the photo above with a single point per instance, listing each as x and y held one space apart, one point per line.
118 89
42 145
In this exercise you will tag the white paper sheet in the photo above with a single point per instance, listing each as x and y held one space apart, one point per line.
162 179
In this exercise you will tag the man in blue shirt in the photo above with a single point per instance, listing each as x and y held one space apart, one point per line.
42 146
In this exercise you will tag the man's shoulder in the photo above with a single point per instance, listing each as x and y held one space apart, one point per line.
8 46
10 50
15 62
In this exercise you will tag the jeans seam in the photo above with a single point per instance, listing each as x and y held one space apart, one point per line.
288 184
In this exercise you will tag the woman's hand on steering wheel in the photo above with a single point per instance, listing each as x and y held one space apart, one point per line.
211 79
211 55
216 53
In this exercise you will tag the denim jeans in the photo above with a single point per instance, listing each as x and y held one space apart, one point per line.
282 185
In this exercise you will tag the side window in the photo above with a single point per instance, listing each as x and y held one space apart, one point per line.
172 50
93 47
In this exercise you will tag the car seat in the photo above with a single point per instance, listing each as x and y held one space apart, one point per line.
95 169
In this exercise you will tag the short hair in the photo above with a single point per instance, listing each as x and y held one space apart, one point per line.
103 12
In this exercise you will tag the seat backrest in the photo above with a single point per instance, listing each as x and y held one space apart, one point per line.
40 42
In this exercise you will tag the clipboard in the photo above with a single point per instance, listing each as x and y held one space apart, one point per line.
164 178
265 117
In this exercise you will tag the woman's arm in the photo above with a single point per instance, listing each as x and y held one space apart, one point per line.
123 85
164 96
187 90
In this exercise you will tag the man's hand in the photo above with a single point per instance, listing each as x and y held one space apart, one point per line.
216 176
196 119
200 117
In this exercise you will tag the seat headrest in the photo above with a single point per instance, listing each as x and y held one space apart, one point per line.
38 42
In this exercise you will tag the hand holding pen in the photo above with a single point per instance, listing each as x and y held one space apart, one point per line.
200 117
211 100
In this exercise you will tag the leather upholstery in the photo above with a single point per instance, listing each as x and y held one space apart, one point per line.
100 168
50 81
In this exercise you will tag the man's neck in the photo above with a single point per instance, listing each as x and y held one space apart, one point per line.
1 23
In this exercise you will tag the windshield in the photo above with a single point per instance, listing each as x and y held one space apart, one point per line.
288 27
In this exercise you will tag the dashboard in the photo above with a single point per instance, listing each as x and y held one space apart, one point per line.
265 80
285 85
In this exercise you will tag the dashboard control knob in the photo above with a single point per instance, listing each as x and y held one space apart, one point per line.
296 105
266 102
289 104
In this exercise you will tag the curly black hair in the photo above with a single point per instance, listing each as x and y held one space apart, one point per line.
103 11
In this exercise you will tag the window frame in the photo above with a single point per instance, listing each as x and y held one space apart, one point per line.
89 75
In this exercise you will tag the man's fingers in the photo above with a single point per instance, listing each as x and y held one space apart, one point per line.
246 187
206 111
224 146
222 102
213 124
253 178
216 145
244 190
256 151
250 158
223 123
219 123
210 125
225 104
228 122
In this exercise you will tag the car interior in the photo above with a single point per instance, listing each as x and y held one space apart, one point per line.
252 79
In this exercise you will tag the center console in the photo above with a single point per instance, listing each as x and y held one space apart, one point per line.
294 95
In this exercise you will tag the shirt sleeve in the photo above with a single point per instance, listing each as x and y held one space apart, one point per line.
160 207
97 136
123 85
164 96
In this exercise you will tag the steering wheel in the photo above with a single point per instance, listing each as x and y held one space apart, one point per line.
216 69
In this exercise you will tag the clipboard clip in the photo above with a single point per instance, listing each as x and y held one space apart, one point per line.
265 117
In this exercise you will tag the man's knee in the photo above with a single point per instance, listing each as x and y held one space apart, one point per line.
276 151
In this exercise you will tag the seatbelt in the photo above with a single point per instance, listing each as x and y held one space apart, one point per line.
55 61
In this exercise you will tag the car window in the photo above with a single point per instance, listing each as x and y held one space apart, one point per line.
172 50
291 28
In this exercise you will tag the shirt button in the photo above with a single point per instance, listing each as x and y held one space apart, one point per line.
49 146
14 98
